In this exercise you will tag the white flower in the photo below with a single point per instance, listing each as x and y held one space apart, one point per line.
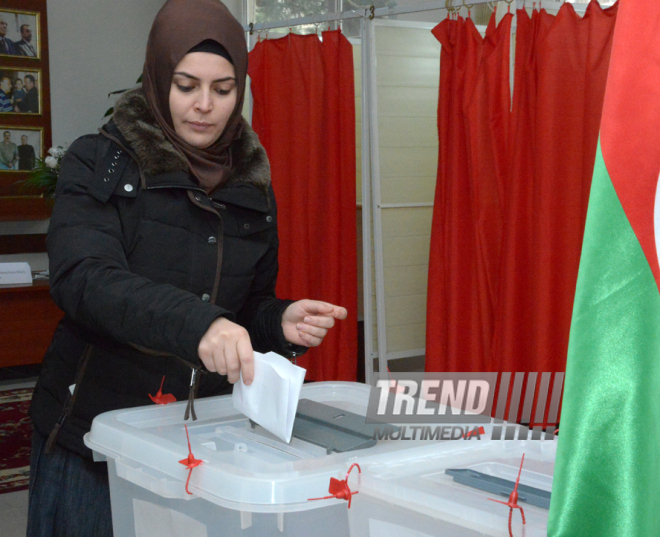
58 152
51 162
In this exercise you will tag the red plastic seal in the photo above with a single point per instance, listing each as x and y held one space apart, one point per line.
162 398
513 499
339 488
190 461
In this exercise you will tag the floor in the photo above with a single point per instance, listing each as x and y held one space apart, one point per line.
13 505
13 513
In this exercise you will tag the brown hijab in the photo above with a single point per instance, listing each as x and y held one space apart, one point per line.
179 26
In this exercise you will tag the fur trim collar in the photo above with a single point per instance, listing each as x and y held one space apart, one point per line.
157 155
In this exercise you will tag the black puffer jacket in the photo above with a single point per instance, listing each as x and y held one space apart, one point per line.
142 261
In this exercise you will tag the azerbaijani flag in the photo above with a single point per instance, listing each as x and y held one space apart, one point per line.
607 474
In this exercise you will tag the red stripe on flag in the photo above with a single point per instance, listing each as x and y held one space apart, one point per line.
630 138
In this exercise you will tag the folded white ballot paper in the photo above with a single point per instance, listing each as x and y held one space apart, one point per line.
272 399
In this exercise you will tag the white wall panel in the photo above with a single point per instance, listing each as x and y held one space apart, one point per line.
406 337
408 162
406 251
402 131
407 222
408 189
407 75
405 310
407 101
407 41
408 71
408 280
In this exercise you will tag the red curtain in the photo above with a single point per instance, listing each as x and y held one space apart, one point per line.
304 114
473 123
520 317
561 70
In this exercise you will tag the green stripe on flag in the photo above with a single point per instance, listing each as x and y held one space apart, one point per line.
607 473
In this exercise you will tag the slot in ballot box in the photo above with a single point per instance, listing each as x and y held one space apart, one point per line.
251 483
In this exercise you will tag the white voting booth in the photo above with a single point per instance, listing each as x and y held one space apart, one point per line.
251 483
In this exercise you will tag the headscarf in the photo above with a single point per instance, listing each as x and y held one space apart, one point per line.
179 26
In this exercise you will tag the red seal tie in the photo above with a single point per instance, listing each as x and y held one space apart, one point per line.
162 398
513 499
190 461
339 488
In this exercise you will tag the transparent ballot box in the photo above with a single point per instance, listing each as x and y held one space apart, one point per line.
251 483
429 492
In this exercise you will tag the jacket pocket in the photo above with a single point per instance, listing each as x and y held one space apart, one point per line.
241 222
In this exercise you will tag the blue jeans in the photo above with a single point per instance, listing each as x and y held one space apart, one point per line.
69 495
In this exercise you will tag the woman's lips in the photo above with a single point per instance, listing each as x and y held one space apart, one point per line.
199 126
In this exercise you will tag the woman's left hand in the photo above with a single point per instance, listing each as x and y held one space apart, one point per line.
307 322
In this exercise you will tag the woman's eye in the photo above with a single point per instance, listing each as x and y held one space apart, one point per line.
184 89
221 91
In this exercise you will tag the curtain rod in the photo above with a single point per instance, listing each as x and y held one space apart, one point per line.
370 12
579 7
401 10
315 19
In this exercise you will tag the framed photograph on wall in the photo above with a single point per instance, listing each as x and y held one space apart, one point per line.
20 91
19 33
19 148
25 113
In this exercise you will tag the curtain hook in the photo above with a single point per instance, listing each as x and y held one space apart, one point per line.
251 28
454 9
468 7
372 10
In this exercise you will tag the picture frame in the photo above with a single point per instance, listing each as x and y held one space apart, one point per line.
15 157
27 21
20 34
20 91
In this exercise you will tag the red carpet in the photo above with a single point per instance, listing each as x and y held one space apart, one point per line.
15 439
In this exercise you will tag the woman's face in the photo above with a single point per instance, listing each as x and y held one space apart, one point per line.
202 97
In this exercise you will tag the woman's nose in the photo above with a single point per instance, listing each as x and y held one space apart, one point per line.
204 102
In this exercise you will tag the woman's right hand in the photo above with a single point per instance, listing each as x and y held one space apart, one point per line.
226 349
